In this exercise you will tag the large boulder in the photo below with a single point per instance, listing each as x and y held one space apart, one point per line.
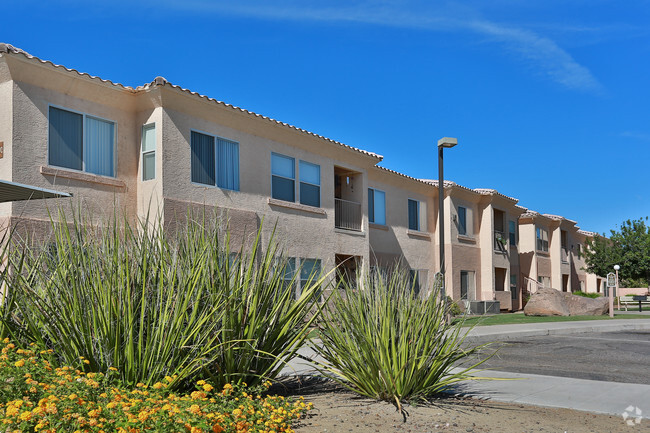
546 302
581 306
551 302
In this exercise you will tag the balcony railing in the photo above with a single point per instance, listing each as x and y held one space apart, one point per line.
347 215
500 241
565 255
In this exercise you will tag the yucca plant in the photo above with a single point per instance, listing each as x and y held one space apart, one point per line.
384 342
154 304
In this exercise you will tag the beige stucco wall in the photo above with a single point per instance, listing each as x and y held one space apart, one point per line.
34 90
6 131
304 231
394 241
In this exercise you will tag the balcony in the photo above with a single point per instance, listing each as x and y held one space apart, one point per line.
500 242
347 215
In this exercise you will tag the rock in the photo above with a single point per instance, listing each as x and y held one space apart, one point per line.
581 306
546 302
551 302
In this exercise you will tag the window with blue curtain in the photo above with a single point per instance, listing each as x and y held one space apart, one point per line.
227 164
462 220
414 214
283 177
309 183
81 142
203 159
376 206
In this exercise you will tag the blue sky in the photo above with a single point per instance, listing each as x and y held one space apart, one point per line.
549 100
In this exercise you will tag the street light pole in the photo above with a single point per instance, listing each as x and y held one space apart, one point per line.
616 268
442 143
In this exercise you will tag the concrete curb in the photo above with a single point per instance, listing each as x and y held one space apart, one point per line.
515 332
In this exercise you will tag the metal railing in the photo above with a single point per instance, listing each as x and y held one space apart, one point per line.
564 255
500 241
347 214
532 285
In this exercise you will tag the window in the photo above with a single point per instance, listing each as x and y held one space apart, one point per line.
310 270
288 281
81 142
215 161
376 206
414 214
542 239
283 180
418 280
579 248
545 281
309 183
512 226
462 220
149 152
467 291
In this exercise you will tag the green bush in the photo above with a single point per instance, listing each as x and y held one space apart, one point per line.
384 342
454 308
587 295
152 304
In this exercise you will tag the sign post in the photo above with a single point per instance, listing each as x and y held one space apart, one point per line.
611 285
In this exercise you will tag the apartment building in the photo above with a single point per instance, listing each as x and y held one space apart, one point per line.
164 149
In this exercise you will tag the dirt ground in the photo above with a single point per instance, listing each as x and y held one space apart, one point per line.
337 410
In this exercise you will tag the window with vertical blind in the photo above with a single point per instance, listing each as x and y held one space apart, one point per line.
81 142
149 152
414 214
214 161
283 180
462 220
376 206
512 233
542 239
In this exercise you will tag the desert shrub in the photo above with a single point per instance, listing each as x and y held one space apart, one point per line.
154 304
587 295
454 308
34 396
383 342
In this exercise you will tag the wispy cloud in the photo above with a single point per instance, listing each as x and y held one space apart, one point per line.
641 136
542 53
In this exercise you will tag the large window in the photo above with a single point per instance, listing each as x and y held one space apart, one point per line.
467 291
149 152
512 232
414 214
215 161
376 206
283 180
542 239
309 183
81 142
462 220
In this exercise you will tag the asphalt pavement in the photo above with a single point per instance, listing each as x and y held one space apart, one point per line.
607 391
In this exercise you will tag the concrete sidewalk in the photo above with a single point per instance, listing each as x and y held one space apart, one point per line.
611 398
510 332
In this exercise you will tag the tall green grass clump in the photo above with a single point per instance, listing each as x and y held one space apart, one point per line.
151 303
382 341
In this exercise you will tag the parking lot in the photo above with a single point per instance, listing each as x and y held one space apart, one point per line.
607 356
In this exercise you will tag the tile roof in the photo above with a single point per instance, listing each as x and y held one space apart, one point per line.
588 233
490 191
558 218
404 175
10 49
160 81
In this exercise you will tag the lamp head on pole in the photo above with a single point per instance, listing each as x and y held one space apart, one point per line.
617 267
447 142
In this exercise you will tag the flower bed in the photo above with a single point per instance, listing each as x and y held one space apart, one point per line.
36 397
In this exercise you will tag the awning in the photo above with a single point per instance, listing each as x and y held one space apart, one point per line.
12 191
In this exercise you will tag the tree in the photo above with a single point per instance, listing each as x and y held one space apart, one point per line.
629 248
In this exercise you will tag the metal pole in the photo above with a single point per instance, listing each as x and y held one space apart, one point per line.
441 217
618 299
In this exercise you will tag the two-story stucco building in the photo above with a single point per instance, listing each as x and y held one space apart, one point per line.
163 149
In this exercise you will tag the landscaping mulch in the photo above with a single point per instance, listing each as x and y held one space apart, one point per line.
339 410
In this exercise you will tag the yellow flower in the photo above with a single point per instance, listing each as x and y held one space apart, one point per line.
143 415
26 416
20 363
157 385
207 387
236 412
195 409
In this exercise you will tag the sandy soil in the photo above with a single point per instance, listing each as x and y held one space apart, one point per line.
337 410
